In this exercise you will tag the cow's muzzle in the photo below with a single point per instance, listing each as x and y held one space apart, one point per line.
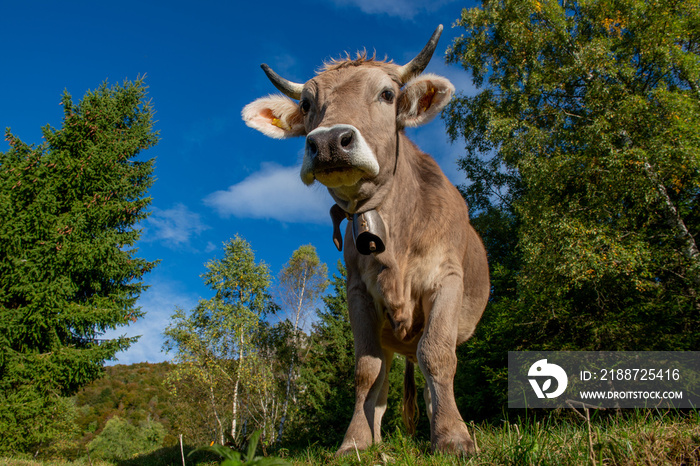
337 156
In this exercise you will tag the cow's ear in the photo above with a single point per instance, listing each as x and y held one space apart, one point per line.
276 116
422 98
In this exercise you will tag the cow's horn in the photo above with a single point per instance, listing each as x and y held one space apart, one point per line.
288 88
418 64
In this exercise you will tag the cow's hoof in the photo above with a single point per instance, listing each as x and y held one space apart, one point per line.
353 446
456 445
343 451
346 450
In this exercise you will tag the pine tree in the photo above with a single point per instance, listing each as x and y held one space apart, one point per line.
68 266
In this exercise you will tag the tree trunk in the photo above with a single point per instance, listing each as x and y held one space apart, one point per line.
290 371
212 400
675 222
285 406
234 409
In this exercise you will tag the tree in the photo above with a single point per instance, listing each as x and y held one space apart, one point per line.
328 373
583 142
68 267
215 343
301 283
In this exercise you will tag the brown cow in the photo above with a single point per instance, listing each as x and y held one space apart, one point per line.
418 277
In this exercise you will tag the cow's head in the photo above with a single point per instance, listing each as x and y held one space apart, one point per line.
351 114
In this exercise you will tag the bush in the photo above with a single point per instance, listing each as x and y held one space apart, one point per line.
121 440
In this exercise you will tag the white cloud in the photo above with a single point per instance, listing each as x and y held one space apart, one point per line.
404 9
173 226
159 302
275 192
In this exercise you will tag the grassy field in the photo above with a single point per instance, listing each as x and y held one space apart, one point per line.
640 438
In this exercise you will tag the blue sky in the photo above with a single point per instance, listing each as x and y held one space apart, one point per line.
215 177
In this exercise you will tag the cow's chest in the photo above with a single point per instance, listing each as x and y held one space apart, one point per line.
400 289
419 274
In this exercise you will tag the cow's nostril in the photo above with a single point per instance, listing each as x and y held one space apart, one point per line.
346 140
313 148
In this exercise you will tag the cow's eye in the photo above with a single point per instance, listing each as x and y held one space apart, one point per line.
387 96
305 106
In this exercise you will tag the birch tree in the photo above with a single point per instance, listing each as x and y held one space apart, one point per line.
300 285
215 342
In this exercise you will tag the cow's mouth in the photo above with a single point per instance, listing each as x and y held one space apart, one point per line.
337 156
333 177
337 171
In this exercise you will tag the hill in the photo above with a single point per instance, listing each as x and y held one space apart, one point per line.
135 393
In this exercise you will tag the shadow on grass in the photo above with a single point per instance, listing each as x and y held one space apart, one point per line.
168 456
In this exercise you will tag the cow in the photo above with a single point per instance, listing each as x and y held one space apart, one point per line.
417 271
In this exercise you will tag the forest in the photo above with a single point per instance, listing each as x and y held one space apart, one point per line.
582 175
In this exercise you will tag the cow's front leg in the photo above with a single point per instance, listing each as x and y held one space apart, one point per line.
381 403
438 361
370 373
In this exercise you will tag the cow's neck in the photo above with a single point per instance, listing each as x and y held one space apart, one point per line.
396 201
402 198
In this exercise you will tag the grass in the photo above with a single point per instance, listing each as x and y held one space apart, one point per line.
639 438
633 438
